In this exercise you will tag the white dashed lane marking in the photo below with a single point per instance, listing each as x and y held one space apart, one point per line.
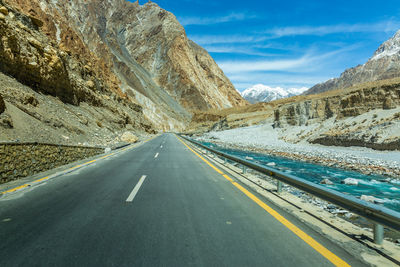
136 189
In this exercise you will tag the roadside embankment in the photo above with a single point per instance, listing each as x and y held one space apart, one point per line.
19 160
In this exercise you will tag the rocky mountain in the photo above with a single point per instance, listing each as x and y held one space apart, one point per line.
147 50
384 64
111 65
263 93
52 95
365 115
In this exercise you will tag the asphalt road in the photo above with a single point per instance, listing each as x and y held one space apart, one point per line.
158 204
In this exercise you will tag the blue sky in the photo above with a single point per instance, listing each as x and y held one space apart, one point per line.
286 43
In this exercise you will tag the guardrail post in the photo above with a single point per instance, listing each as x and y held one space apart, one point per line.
244 169
225 160
279 185
378 233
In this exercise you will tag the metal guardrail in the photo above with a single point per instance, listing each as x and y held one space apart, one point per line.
377 214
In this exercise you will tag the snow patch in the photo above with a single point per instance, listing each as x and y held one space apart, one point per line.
389 48
264 93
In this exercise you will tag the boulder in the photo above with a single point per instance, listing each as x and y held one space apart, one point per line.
371 199
90 84
350 181
388 103
107 150
326 181
129 137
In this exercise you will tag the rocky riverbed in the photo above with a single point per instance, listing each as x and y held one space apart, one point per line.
264 139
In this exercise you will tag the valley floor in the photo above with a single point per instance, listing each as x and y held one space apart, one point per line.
266 139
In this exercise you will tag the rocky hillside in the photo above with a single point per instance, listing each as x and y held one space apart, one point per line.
365 115
262 93
384 64
145 49
52 95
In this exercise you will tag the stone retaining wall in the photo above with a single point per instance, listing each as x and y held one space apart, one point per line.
19 160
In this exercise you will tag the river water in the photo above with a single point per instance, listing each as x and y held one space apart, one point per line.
386 190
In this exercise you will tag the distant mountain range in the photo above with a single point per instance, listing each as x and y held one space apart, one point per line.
263 93
384 64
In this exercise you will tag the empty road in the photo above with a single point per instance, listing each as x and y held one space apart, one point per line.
158 204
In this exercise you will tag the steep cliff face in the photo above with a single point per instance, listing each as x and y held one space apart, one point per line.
384 64
364 116
349 104
49 90
154 39
144 49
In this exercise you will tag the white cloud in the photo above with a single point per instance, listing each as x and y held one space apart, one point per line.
264 65
306 63
275 79
225 39
257 38
302 68
235 49
383 26
215 20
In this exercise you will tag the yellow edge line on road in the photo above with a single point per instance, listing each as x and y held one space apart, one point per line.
206 161
70 169
306 238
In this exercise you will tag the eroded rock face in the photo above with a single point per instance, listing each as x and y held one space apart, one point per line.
384 64
367 117
37 61
24 55
144 50
154 38
350 104
30 56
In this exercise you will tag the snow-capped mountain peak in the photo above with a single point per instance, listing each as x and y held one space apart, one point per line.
388 48
384 64
296 91
264 93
